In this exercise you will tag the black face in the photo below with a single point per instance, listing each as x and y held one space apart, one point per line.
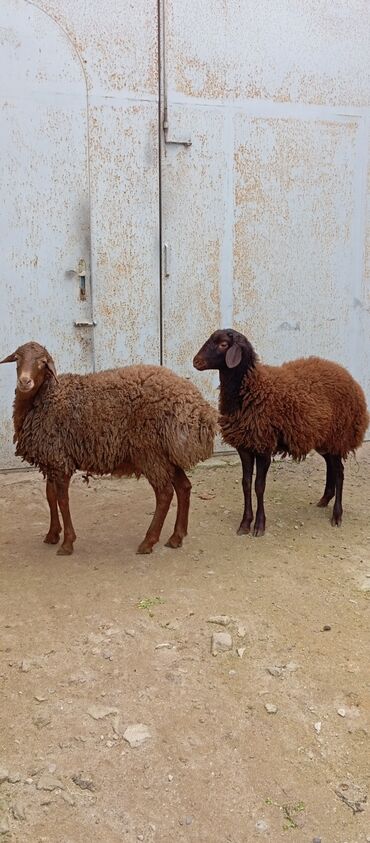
222 350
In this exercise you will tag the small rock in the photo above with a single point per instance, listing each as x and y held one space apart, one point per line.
136 734
4 773
317 727
222 620
39 698
29 781
4 826
186 821
83 781
232 672
271 708
326 627
18 811
316 840
130 632
48 782
13 778
241 631
352 795
42 720
165 646
221 642
291 667
275 670
140 837
240 651
68 799
341 712
261 825
98 712
109 744
170 777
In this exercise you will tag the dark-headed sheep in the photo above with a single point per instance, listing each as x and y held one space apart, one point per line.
138 420
304 405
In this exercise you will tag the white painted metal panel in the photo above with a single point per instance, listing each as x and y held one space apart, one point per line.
275 98
118 46
44 213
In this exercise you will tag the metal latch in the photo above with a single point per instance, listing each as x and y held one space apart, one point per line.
85 323
80 271
185 142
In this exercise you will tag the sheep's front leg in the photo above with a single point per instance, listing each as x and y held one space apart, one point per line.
247 460
62 487
163 498
52 537
263 465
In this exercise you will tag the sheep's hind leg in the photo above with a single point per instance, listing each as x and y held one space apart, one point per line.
63 501
182 486
329 490
163 498
52 537
263 465
339 477
247 460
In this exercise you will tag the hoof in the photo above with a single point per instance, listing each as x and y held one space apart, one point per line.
336 521
322 502
65 551
144 548
258 531
51 538
174 541
243 530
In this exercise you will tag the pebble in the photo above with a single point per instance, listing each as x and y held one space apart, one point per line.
136 734
29 781
341 712
326 627
271 708
186 820
130 632
83 781
241 631
48 782
240 651
221 642
68 799
261 825
165 646
4 773
316 840
170 777
4 826
98 712
13 778
275 670
18 811
222 620
317 727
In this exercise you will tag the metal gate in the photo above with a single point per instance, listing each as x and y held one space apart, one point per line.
214 175
264 179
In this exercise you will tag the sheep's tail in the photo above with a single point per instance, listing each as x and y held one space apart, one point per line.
190 440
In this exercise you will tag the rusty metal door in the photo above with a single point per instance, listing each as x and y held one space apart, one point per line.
44 214
264 171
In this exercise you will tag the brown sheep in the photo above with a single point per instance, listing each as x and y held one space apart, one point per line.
138 420
304 405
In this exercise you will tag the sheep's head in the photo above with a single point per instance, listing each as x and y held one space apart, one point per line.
225 349
34 364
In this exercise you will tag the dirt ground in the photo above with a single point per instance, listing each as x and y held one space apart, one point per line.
97 642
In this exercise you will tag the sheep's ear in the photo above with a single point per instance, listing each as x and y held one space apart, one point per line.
12 358
233 356
49 363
